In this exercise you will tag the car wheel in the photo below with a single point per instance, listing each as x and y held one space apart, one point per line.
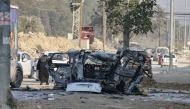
31 73
161 65
17 80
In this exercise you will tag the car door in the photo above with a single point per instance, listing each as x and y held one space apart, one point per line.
26 64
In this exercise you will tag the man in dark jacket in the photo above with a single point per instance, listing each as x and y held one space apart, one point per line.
43 72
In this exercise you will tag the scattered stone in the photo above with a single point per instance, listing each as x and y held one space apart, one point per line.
39 107
117 101
83 101
84 98
62 93
111 107
114 97
30 96
45 93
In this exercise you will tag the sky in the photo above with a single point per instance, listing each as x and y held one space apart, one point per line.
179 6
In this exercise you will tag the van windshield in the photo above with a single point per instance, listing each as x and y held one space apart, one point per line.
162 50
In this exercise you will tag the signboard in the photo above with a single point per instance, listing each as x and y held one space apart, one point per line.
14 31
4 18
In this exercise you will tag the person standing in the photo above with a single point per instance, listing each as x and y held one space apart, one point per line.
41 67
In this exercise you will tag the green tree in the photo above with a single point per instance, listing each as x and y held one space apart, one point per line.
32 24
133 17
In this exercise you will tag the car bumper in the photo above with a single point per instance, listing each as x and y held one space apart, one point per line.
167 64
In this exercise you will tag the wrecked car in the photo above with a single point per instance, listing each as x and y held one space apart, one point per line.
110 73
59 68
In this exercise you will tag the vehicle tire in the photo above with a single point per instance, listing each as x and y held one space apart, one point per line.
31 74
161 65
17 80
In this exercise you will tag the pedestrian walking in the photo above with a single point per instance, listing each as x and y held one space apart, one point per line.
41 67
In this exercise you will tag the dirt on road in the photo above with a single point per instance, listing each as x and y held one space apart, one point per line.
151 83
38 99
101 101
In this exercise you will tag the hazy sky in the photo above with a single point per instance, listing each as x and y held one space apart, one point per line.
179 7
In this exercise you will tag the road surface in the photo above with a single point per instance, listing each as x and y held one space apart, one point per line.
181 74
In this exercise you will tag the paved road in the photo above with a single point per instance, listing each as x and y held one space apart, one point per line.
181 74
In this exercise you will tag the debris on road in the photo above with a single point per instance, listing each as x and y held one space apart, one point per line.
50 97
114 97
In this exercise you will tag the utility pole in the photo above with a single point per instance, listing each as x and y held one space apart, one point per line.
80 30
185 24
104 26
167 43
4 49
174 37
171 34
167 38
159 36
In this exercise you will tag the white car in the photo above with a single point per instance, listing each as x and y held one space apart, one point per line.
27 63
158 51
165 60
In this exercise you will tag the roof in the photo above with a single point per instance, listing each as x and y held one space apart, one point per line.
72 50
14 6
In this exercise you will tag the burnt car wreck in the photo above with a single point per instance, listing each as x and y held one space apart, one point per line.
98 71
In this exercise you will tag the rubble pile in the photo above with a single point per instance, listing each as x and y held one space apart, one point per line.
38 42
35 43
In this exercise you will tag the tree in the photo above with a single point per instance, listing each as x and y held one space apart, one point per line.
32 24
130 17
159 22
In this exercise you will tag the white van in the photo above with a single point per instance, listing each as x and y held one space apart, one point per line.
158 51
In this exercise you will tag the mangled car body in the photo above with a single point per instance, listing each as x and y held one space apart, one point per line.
109 72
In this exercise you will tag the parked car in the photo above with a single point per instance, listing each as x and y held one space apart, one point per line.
164 60
148 63
158 51
27 63
16 74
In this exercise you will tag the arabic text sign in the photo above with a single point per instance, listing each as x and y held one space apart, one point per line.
4 18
